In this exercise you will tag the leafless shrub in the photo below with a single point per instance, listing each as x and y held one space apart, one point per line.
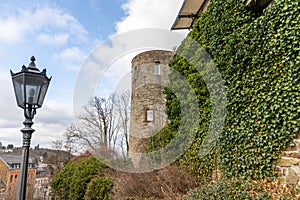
169 183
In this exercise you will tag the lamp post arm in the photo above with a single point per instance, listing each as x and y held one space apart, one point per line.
29 111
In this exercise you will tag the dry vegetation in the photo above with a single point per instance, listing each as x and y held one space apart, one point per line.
169 183
276 188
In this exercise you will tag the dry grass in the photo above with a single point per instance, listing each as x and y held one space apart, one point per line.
170 183
276 188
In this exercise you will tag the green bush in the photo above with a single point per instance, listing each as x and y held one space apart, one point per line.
71 181
236 189
99 189
225 189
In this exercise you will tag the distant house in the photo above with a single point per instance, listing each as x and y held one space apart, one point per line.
44 173
86 154
9 176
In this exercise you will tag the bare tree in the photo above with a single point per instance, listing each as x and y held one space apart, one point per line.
58 156
104 123
57 144
122 104
70 144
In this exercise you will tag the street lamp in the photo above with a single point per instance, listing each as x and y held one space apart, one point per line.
30 86
45 192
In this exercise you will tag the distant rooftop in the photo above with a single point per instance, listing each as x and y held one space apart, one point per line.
189 13
14 161
10 158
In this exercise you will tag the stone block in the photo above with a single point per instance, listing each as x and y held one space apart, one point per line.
286 154
297 170
292 177
291 154
295 155
295 161
284 162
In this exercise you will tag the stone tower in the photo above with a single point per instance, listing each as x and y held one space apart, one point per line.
150 72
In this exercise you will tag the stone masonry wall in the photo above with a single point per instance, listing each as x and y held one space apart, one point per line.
289 163
147 94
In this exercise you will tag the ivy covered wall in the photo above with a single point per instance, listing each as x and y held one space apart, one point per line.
258 56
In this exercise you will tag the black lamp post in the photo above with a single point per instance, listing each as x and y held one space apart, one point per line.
30 87
45 192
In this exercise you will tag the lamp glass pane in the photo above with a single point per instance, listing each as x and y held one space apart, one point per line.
32 94
33 83
19 89
43 91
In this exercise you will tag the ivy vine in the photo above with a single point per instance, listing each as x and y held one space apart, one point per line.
258 55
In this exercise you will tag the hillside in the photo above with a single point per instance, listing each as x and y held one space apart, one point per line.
49 156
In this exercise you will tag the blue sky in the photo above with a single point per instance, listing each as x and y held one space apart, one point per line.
61 34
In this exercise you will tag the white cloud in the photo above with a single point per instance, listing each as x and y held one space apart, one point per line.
40 22
114 76
11 115
46 17
149 14
12 29
44 134
54 39
54 112
71 57
73 53
8 105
